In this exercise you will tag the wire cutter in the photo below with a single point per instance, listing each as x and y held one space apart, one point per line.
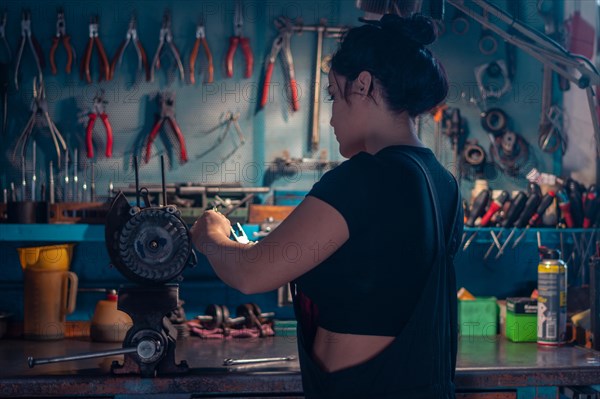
87 57
167 113
201 39
282 41
131 36
61 35
166 35
99 110
34 45
39 110
237 38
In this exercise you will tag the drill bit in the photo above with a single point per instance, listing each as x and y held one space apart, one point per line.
33 177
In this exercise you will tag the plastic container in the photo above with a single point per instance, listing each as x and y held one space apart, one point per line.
108 323
521 319
478 318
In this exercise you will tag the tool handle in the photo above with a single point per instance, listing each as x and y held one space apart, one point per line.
104 65
109 134
294 92
69 292
38 52
116 57
51 55
245 42
88 135
478 207
485 219
265 92
209 60
70 53
546 201
85 62
140 47
151 138
193 57
530 207
515 209
233 43
183 151
590 207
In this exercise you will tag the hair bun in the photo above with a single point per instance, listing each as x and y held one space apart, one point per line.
417 28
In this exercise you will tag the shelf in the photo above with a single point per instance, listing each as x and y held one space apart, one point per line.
52 232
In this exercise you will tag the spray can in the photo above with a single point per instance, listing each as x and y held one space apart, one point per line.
552 298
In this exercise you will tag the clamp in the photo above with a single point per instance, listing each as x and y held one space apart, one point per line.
87 57
34 45
39 109
282 41
61 35
131 36
167 113
201 39
99 110
166 35
237 38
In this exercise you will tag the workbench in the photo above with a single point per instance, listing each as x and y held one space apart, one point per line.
487 368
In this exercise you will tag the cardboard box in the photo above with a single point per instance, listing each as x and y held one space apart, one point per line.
521 319
478 318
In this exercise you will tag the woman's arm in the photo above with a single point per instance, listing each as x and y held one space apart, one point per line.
309 235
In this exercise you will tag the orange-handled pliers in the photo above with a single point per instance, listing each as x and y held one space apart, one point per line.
61 36
201 39
87 57
167 113
282 41
237 38
131 36
98 110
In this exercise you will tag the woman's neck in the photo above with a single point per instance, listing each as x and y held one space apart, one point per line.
397 130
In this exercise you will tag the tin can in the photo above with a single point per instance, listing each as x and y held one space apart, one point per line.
552 298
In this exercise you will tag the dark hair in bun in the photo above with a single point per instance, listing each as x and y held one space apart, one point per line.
393 50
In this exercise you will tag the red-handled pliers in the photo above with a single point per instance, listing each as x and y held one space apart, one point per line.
167 113
61 36
237 38
87 56
286 30
99 110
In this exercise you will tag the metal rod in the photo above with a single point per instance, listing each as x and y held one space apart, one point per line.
34 362
23 181
137 181
51 182
314 135
66 187
92 186
162 173
75 178
233 362
33 177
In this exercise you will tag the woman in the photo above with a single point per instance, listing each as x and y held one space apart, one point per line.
370 248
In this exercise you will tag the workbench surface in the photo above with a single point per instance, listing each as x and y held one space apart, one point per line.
482 363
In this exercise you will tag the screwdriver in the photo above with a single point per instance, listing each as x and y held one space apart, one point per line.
477 209
512 214
494 207
547 200
565 207
530 207
575 195
590 207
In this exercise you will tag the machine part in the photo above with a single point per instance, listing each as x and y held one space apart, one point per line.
460 23
510 152
551 136
494 121
474 154
214 316
32 362
235 362
488 44
493 70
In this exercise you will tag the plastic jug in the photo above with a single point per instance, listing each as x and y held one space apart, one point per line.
50 290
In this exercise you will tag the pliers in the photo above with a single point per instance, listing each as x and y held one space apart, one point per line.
34 45
39 109
237 38
282 41
131 36
61 35
166 35
98 110
87 57
167 113
201 39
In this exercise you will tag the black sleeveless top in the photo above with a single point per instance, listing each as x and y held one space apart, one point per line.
400 205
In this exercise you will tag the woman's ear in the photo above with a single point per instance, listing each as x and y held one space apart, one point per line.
363 82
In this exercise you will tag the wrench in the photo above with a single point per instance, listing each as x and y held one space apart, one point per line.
234 362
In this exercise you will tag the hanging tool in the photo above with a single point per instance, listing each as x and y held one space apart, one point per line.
494 207
536 218
99 110
167 113
529 210
477 209
39 110
575 193
282 41
61 36
87 56
238 38
564 205
34 45
590 207
131 36
201 40
166 35
230 119
513 212
453 129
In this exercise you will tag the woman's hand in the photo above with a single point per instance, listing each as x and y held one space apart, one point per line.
210 228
